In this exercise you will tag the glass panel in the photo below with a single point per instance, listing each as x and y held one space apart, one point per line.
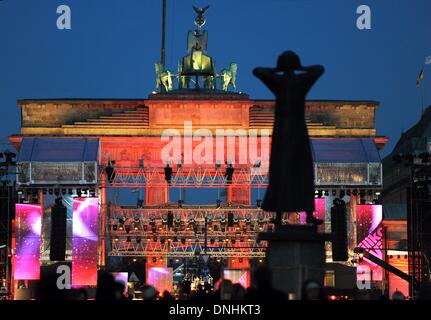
341 174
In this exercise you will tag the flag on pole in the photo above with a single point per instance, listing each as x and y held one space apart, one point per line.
428 60
420 78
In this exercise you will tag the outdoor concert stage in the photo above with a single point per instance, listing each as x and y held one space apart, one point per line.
89 149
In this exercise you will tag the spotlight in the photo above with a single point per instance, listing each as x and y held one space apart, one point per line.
128 239
223 218
164 218
258 203
127 228
168 173
235 218
248 218
154 259
218 165
141 163
152 219
342 193
229 173
110 171
191 219
218 203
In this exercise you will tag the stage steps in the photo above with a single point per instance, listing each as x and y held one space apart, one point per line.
138 117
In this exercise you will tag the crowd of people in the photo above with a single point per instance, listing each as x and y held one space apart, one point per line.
262 290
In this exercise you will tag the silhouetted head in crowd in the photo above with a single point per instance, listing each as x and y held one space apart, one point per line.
108 288
238 292
149 292
312 290
263 278
425 292
47 288
398 295
167 296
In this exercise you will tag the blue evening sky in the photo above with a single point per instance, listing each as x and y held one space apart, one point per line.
110 51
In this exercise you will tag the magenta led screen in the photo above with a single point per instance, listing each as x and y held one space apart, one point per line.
85 241
27 249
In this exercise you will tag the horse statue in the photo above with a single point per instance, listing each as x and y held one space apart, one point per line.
183 81
209 82
228 77
164 77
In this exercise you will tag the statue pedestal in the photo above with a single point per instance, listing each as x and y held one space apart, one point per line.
296 253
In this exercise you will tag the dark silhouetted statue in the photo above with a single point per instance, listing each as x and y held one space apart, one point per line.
291 177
